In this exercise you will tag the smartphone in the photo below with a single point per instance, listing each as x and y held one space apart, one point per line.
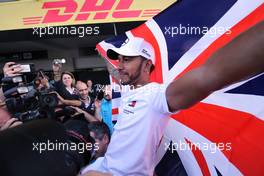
27 68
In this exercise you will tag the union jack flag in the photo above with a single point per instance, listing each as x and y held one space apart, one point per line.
184 36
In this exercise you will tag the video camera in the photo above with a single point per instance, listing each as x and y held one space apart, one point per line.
24 100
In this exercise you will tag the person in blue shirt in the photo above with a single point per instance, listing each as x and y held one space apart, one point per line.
106 108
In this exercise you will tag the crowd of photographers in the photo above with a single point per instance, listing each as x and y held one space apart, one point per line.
58 97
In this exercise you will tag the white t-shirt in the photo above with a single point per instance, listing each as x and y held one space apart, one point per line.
143 116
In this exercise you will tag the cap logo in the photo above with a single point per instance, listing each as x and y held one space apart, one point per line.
125 42
146 52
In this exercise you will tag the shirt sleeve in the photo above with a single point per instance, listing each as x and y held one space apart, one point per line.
160 101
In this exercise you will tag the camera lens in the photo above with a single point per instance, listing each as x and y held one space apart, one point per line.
47 100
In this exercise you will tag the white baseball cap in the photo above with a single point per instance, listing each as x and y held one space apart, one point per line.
133 46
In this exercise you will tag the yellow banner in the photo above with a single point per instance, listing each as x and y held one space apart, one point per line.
28 14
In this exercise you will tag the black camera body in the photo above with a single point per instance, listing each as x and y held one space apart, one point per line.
26 102
40 105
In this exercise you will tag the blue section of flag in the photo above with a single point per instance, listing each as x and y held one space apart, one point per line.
206 13
117 41
187 14
116 94
252 87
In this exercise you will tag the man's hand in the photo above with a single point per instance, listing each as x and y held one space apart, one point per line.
45 82
97 104
78 110
88 117
10 123
12 69
58 95
61 100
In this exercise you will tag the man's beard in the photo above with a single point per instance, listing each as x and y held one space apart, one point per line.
107 98
133 78
84 97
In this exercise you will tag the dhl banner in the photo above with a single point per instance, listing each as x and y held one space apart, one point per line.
28 14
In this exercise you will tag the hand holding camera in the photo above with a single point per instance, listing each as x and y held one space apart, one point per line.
12 69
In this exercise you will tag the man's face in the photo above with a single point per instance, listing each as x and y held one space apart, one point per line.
130 69
108 97
102 145
56 67
89 83
83 90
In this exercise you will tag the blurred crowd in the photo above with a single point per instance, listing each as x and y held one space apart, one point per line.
78 100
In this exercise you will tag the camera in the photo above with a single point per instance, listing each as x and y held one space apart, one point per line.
25 100
27 68
36 106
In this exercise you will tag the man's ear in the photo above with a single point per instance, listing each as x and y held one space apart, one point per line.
148 66
105 139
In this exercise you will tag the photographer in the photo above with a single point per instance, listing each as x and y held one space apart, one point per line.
27 99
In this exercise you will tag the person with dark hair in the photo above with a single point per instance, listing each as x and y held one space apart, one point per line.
91 89
46 148
57 70
100 132
106 107
66 86
145 110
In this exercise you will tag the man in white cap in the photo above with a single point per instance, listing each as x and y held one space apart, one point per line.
144 111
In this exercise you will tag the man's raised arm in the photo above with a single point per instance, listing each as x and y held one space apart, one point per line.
242 58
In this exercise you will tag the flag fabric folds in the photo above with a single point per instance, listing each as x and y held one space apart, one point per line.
226 128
